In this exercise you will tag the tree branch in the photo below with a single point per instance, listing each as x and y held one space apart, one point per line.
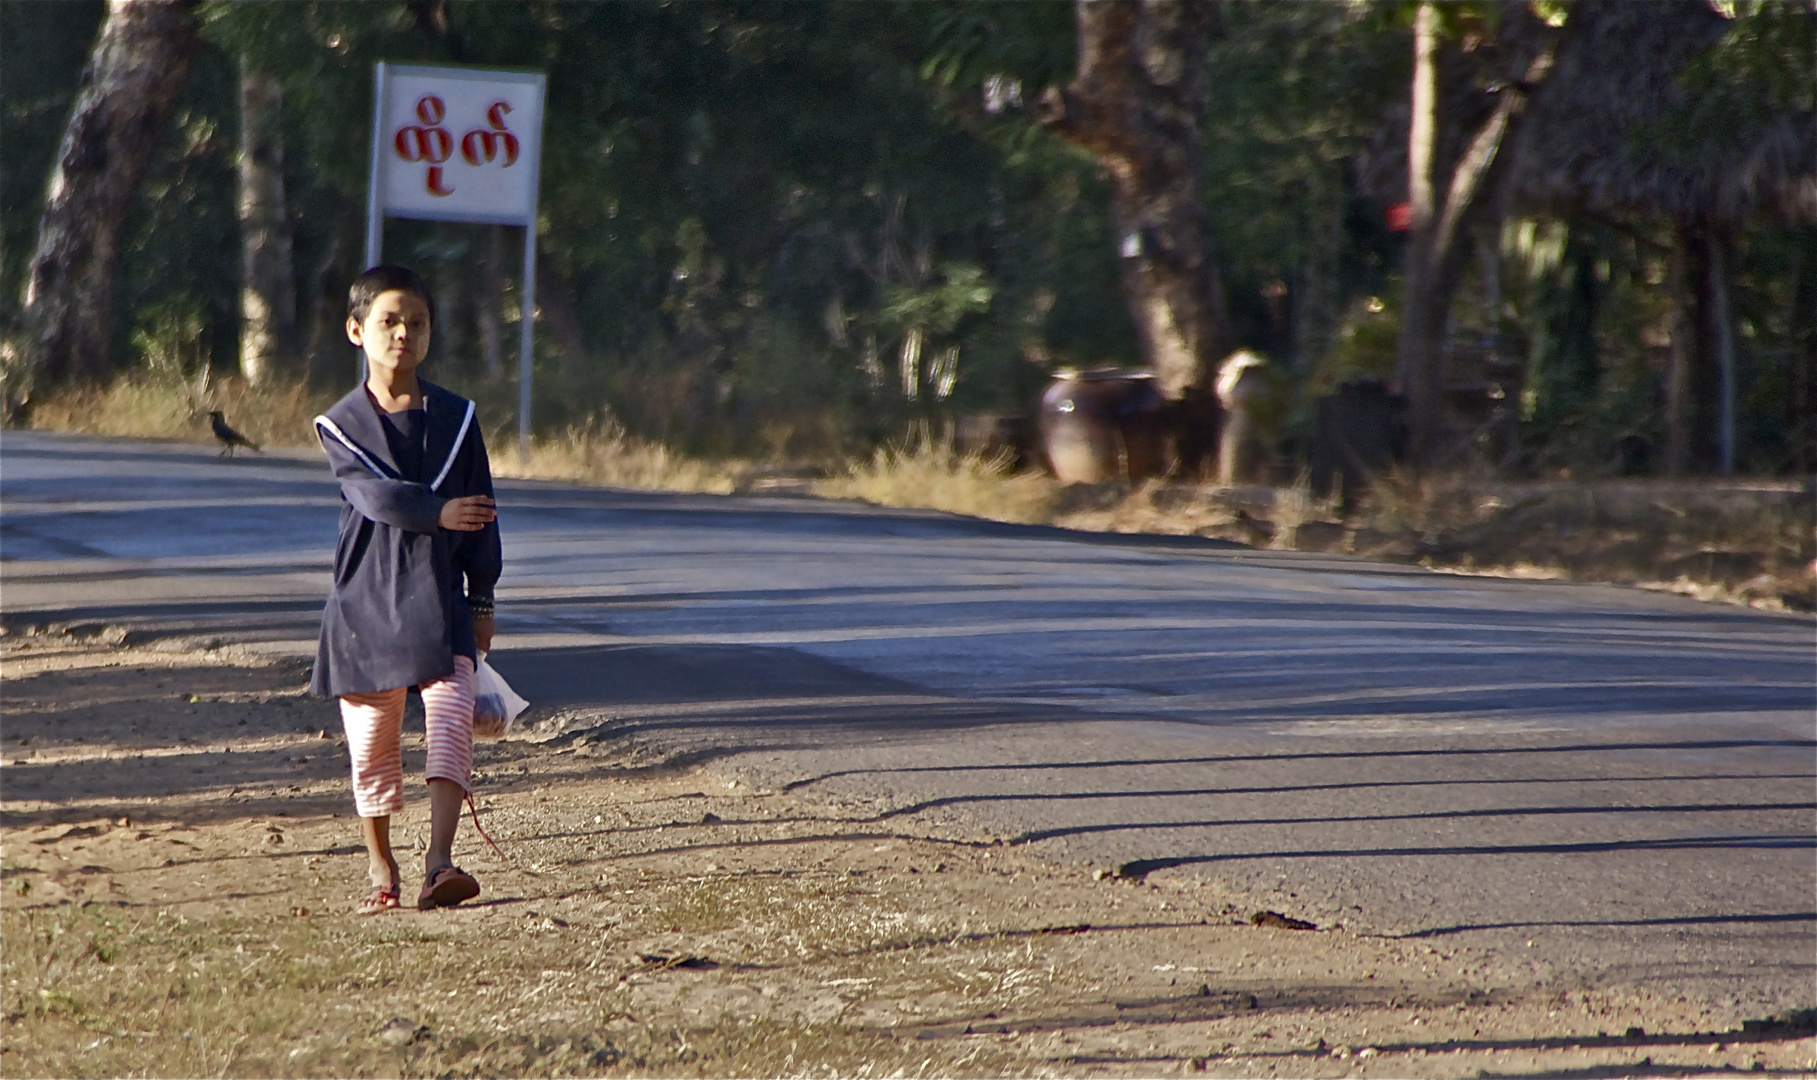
1470 177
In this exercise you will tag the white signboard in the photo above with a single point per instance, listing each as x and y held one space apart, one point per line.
459 144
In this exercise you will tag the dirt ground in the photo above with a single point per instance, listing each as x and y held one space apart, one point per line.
181 866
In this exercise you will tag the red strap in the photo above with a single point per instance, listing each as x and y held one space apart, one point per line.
474 810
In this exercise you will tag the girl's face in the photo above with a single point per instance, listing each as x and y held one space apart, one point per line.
395 335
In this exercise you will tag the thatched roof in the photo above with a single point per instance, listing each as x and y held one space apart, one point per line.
1599 137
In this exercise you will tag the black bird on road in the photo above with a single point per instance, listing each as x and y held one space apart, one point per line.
228 436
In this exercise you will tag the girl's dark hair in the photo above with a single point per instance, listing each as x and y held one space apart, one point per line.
382 279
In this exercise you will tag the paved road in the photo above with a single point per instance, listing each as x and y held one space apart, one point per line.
1603 785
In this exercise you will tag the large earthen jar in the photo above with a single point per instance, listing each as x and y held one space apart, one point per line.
1102 425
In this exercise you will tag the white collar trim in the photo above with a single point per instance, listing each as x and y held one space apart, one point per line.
460 436
341 437
322 422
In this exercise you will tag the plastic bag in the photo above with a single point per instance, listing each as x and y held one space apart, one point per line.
495 704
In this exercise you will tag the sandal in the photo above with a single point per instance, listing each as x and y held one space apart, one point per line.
381 899
446 887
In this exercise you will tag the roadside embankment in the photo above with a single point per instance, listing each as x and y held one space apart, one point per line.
1742 541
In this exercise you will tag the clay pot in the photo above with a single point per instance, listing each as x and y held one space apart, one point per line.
1104 424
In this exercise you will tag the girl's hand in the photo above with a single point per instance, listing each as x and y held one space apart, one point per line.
482 632
470 513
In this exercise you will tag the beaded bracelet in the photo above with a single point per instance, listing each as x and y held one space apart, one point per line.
482 609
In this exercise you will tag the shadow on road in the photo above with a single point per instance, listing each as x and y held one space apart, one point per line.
1685 920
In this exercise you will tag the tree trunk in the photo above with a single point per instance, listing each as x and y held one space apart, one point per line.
1801 401
137 69
1680 408
1723 326
1443 198
1700 393
268 306
1419 358
1138 104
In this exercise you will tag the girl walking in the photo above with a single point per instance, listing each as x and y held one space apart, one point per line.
414 570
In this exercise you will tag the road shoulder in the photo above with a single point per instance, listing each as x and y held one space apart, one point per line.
180 858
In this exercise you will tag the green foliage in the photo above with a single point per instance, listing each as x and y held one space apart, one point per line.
755 214
1298 90
1765 65
180 254
1364 347
1563 355
938 308
1762 72
1776 323
745 204
965 44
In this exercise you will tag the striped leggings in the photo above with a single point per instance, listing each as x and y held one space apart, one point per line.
375 723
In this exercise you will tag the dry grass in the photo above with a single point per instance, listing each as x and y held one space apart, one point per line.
154 406
1739 543
168 408
930 474
188 914
100 991
602 452
1747 542
1252 514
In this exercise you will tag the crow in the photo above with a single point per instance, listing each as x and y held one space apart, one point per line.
228 436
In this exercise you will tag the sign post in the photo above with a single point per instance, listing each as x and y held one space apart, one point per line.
460 144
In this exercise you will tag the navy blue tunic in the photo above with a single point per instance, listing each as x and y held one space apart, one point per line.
397 614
